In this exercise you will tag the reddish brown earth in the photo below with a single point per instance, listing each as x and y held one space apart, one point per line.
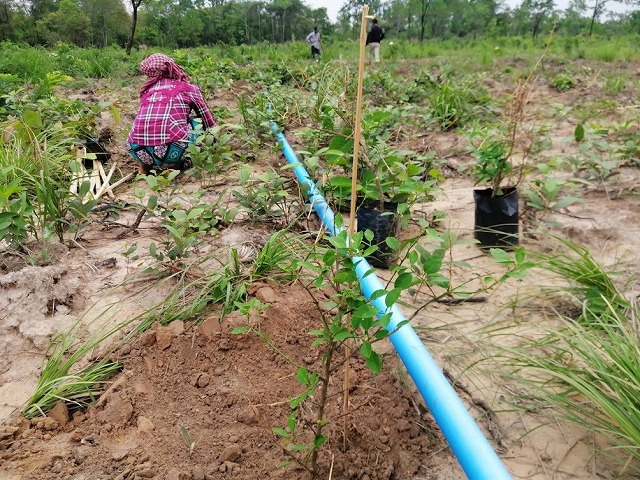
227 391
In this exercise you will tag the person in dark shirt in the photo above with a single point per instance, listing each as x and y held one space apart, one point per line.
374 37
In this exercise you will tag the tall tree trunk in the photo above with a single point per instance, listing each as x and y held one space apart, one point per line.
135 4
424 6
260 35
284 24
596 8
5 19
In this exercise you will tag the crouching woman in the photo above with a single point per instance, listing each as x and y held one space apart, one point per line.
161 130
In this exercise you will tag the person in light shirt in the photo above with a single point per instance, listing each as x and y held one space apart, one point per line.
162 129
314 40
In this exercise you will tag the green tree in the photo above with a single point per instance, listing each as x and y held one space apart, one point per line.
109 21
67 24
40 8
596 7
6 17
424 8
537 11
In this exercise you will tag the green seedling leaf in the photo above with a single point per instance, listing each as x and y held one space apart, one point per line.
344 277
32 119
319 441
392 297
152 202
281 432
340 182
404 280
578 133
374 362
342 335
377 294
565 202
500 255
393 243
303 376
365 311
291 422
289 166
365 350
239 330
152 181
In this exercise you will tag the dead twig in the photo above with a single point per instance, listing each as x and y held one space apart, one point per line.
134 225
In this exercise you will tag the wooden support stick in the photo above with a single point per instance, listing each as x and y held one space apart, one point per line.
94 181
357 134
78 177
122 180
105 180
105 186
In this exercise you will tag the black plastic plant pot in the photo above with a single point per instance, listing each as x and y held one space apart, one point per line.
93 145
496 217
383 223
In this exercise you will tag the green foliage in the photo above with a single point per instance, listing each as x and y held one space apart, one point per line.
591 285
348 318
601 398
189 442
492 154
39 206
598 158
62 378
563 81
264 196
586 371
205 283
615 85
450 105
186 220
215 152
16 214
547 193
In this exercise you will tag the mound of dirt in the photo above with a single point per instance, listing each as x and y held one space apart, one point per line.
198 402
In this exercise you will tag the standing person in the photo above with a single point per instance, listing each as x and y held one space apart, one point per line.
374 37
161 130
314 40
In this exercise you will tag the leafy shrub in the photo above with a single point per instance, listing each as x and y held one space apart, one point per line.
563 81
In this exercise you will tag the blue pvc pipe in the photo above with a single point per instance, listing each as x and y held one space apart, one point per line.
476 456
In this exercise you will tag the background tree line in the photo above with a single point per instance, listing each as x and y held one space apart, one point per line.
189 23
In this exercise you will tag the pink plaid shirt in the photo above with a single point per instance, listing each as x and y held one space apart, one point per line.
164 111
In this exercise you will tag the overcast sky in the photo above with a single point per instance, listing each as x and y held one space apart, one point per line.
333 6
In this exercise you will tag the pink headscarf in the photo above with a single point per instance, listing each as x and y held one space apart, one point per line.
157 66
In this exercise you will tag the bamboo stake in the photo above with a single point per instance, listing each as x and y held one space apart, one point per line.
78 177
94 182
357 135
106 178
105 186
122 180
